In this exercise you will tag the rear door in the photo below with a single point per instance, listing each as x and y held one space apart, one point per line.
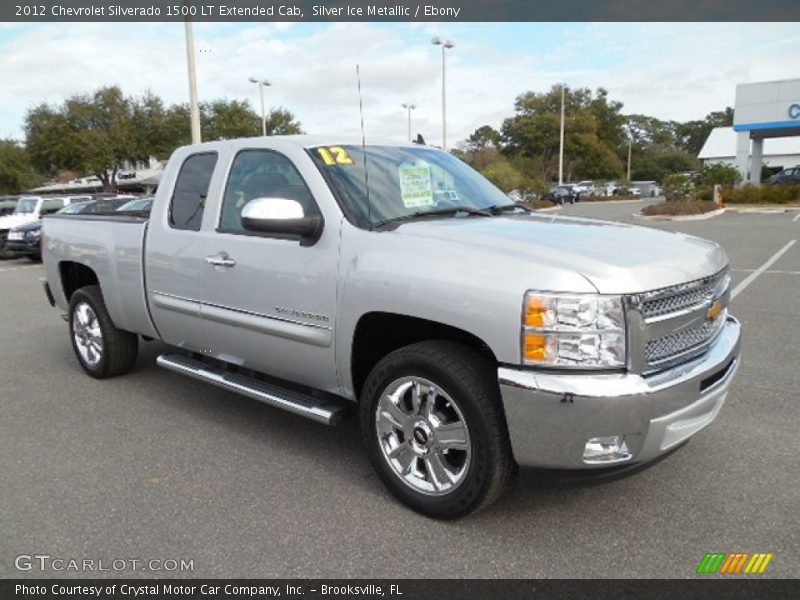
175 267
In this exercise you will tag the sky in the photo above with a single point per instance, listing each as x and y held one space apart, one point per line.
678 71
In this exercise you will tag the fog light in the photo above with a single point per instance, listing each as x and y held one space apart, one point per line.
605 450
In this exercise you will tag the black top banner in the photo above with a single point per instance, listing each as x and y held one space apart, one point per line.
430 10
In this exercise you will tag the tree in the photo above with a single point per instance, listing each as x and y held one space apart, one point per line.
482 138
16 172
103 132
503 175
593 133
691 135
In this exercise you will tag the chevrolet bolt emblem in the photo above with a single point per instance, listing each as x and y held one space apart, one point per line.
714 310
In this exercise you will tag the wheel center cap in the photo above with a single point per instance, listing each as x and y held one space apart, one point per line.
420 436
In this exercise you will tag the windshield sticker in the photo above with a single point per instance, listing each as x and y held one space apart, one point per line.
416 188
335 155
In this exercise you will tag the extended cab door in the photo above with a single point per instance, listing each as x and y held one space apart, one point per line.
267 301
175 247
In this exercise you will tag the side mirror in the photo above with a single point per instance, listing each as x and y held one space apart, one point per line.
280 216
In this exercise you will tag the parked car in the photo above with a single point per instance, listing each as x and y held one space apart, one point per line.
585 188
139 205
790 175
28 209
7 207
468 335
561 195
25 240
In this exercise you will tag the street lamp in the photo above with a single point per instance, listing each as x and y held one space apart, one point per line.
561 140
446 45
262 83
194 106
409 108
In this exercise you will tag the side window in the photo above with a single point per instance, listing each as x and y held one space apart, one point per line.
261 174
191 189
51 206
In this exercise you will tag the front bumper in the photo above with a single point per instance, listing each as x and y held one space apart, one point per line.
552 415
23 247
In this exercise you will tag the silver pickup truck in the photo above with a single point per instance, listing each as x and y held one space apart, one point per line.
470 334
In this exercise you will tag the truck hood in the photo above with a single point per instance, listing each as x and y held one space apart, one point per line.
10 221
616 258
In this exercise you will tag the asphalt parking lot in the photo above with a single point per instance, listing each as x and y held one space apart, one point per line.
155 465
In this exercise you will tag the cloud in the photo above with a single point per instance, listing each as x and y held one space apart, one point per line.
678 71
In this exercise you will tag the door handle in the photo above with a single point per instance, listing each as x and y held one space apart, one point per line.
220 260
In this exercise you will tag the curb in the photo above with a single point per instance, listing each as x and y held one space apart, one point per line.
551 209
766 210
602 202
700 217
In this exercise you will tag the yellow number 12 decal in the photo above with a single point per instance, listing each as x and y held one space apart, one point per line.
335 155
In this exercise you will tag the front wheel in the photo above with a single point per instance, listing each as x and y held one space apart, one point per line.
434 429
101 349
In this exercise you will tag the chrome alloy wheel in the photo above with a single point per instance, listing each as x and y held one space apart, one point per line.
87 333
423 436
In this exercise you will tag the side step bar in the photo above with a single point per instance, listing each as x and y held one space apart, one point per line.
323 410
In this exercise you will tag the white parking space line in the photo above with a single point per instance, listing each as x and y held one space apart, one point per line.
774 272
20 268
797 216
760 270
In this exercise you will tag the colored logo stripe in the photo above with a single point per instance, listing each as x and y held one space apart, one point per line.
734 563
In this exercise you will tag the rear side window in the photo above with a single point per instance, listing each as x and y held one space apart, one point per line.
51 206
191 189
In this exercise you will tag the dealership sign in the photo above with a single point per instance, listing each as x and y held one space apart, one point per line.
794 111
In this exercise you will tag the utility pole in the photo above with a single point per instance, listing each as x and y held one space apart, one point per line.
561 145
409 108
193 104
262 83
630 143
446 45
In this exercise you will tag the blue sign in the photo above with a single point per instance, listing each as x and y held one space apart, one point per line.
794 111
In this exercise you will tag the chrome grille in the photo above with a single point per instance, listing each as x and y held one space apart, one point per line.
682 343
668 301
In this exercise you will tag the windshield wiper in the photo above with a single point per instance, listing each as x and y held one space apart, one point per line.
496 209
447 210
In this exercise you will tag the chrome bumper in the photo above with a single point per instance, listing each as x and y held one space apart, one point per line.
552 415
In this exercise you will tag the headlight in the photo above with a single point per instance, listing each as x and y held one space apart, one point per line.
568 330
34 234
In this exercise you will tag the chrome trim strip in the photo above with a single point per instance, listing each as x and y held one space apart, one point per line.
309 333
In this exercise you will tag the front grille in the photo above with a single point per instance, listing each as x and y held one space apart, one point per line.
682 343
665 302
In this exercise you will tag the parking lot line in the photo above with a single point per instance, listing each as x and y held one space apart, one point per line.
797 216
20 268
755 274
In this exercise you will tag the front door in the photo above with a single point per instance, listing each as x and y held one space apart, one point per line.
268 302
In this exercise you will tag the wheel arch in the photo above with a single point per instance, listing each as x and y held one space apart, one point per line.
377 333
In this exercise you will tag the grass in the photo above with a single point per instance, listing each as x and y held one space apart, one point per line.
673 208
762 194
609 198
539 204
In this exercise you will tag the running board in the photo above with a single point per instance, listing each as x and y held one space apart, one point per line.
325 410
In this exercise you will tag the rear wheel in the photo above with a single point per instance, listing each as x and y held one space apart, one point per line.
434 429
101 349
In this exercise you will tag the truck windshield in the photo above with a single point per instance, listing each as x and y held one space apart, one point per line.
404 182
26 206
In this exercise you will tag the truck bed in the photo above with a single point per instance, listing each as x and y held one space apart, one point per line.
112 246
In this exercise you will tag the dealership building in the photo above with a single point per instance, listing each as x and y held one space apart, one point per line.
766 113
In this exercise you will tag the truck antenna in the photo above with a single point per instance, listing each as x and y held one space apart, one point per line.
363 144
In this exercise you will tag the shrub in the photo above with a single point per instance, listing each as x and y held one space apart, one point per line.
538 204
762 194
686 206
677 186
721 174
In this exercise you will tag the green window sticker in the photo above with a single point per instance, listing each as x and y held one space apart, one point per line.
416 187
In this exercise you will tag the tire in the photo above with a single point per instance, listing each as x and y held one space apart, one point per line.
4 253
101 349
408 448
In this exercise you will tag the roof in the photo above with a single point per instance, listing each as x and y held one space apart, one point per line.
721 143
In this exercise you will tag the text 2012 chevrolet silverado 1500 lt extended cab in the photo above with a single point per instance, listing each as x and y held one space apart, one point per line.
470 334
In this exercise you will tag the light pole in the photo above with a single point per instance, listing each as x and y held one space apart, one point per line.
262 83
193 104
409 108
630 146
446 45
561 142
